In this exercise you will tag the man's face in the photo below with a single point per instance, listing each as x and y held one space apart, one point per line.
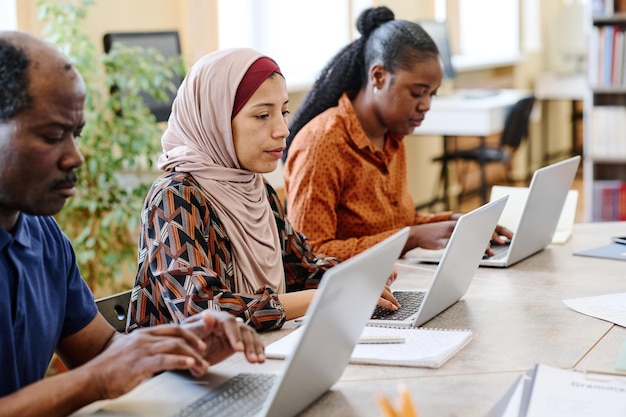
38 153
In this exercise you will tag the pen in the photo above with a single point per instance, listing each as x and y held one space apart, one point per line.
381 339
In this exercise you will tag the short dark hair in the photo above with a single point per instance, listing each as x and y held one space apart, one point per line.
395 44
14 94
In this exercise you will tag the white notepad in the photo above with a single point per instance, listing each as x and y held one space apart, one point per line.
423 347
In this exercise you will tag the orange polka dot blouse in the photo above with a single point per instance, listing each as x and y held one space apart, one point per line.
343 193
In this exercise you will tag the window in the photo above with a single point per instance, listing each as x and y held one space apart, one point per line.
8 17
301 46
298 45
478 36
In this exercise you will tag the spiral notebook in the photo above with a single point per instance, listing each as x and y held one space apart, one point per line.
422 347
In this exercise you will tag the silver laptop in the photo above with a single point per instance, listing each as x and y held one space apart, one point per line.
334 322
546 197
539 218
454 273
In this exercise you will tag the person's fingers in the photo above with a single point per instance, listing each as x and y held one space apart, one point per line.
393 276
140 355
387 300
115 375
155 345
503 231
496 238
489 251
230 326
191 333
253 346
201 325
386 304
172 362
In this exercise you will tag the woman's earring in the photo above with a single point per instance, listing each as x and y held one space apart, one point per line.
376 90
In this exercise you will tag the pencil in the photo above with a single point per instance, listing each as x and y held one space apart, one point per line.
408 409
388 410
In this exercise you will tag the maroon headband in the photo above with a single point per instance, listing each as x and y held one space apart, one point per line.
254 77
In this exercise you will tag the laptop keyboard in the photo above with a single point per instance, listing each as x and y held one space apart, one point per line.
410 302
242 395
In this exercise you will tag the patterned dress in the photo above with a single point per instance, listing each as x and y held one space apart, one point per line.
185 260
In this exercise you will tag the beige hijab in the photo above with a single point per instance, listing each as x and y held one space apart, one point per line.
199 140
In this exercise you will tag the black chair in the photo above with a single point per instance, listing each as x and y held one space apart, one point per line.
515 131
114 308
168 44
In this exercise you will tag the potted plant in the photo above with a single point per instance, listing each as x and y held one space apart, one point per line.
119 143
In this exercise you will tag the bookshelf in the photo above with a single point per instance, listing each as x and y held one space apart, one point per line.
604 165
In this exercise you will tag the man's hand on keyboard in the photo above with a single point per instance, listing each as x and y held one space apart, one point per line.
225 334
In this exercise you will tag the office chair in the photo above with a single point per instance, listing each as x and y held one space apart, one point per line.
114 308
515 131
168 44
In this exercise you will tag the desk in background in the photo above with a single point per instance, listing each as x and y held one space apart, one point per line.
518 319
467 113
553 87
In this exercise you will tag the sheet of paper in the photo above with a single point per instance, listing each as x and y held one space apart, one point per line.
609 307
559 392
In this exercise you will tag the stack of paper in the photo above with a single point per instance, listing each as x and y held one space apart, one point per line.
419 347
552 392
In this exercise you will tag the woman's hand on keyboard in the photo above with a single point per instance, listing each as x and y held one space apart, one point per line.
387 300
433 235
393 276
501 236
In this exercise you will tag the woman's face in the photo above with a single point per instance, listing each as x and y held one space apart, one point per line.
405 96
260 127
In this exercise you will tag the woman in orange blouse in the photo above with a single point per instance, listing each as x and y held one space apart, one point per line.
345 173
213 233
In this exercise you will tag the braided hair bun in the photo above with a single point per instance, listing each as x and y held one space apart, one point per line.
372 18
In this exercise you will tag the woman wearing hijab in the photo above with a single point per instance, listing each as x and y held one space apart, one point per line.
213 233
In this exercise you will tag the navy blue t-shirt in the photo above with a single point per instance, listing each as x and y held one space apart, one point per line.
42 299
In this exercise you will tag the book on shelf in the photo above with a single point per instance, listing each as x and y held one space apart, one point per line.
607 7
607 58
609 200
608 132
607 51
418 347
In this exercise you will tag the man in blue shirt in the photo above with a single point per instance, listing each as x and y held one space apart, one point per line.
45 306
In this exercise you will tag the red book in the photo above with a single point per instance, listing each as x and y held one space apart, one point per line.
621 215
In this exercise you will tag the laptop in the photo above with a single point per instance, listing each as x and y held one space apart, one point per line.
547 193
453 275
515 206
344 301
540 216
